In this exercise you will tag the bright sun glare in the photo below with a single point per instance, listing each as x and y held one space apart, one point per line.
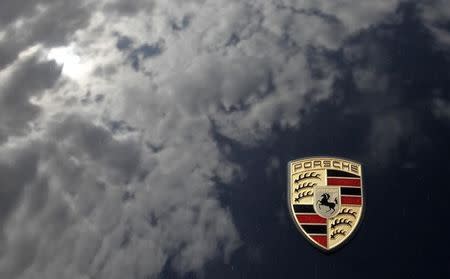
70 61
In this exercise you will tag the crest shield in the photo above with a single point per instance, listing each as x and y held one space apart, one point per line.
325 199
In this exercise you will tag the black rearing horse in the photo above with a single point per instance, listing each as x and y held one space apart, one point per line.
325 201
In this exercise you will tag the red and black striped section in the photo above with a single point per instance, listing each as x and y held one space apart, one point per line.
313 224
350 185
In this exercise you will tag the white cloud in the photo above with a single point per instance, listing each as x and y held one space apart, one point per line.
76 199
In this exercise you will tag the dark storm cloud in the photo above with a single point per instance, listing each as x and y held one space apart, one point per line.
27 78
50 23
19 174
17 169
12 10
97 143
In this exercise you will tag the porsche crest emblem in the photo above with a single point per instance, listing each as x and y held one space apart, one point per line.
325 199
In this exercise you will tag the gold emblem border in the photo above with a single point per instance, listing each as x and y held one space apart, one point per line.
292 213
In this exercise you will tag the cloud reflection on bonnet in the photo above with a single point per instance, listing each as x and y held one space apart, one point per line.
133 134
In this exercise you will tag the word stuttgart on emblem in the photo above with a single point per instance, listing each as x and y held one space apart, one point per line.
325 199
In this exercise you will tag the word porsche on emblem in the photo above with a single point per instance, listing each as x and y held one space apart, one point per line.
325 199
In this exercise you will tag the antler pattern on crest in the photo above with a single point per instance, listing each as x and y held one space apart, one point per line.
307 175
303 195
335 233
304 186
341 221
348 212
